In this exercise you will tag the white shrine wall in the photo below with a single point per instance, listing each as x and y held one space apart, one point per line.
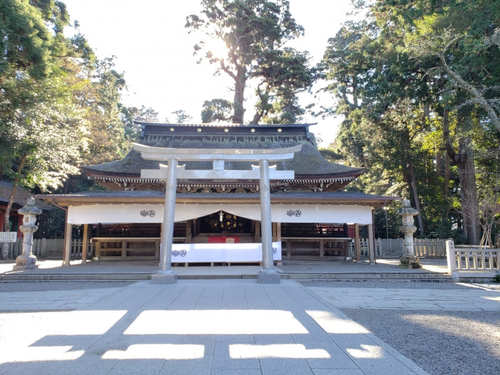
280 213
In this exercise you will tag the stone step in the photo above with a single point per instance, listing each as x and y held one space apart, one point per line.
98 276
367 276
136 276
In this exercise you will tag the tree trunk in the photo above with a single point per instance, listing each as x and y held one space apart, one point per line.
239 95
468 191
6 224
464 160
446 163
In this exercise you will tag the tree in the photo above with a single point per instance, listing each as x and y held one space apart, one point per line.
130 114
458 39
255 33
216 110
38 127
182 116
402 66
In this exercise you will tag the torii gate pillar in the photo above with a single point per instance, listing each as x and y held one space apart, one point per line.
268 274
166 275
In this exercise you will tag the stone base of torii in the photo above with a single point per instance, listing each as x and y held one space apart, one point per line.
172 172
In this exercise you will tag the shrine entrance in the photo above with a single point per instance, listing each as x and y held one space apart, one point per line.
223 223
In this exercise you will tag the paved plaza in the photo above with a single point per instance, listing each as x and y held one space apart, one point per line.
208 327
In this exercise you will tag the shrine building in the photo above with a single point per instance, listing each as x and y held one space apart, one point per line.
217 199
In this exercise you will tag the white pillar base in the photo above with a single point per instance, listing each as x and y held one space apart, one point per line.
268 276
164 277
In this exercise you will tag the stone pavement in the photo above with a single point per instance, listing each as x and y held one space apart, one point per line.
192 327
473 299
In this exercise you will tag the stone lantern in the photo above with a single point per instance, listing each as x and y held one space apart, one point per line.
27 260
408 228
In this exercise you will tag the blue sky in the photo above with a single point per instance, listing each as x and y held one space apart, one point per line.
155 52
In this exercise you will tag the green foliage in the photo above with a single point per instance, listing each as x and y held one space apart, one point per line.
182 116
216 110
130 114
404 80
59 106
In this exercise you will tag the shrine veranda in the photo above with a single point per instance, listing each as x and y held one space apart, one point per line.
218 191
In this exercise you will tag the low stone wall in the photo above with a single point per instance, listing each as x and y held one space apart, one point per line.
424 247
472 261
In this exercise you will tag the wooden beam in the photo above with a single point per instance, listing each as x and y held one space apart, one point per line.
85 242
357 243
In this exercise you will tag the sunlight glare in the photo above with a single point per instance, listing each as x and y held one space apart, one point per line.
246 351
366 351
217 47
215 322
157 351
332 324
47 353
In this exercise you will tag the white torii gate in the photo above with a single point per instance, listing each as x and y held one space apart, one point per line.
171 172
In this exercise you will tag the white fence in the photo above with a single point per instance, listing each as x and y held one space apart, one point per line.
472 260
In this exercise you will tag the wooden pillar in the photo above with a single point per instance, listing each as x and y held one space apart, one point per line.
189 234
357 243
321 248
289 249
371 244
257 231
67 241
124 249
85 242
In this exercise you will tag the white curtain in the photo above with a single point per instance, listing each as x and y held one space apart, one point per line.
282 213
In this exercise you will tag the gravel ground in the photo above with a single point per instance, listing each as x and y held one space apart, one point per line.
39 286
442 343
410 284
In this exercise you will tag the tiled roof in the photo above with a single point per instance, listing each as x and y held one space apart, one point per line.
20 197
224 125
307 162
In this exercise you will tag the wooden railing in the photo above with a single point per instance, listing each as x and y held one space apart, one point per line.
42 247
472 258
